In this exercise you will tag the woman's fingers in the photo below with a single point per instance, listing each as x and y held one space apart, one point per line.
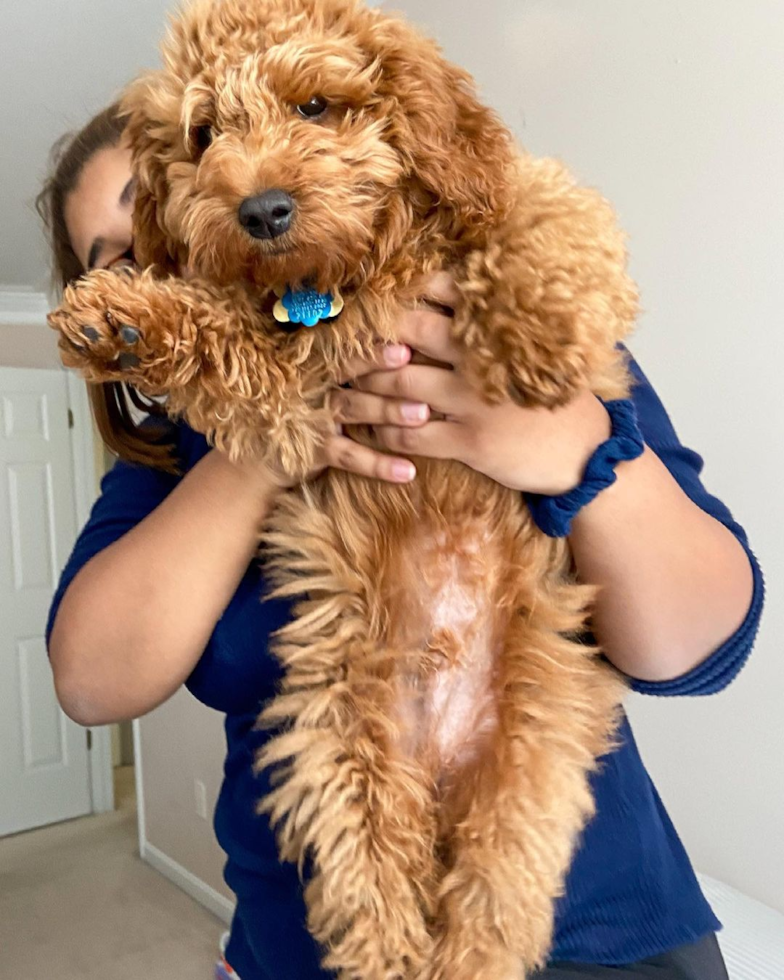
396 397
429 333
441 289
437 440
424 330
385 357
350 407
345 454
441 389
428 330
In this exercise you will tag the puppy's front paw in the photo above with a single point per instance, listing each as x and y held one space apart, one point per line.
111 330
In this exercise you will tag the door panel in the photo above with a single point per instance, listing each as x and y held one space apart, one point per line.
44 766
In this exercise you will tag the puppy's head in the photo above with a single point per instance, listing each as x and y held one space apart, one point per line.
287 141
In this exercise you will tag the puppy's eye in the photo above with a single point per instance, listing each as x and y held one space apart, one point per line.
201 138
313 109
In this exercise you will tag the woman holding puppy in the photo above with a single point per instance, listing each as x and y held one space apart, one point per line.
123 640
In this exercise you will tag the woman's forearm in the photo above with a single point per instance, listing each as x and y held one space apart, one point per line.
674 582
136 619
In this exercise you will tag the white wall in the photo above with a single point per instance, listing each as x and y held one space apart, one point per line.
25 339
60 62
676 111
182 743
27 347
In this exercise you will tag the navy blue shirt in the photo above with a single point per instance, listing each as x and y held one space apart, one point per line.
631 892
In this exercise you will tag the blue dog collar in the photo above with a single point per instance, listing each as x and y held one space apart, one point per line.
307 306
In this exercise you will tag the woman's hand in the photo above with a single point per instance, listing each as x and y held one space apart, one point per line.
673 582
353 407
535 450
431 409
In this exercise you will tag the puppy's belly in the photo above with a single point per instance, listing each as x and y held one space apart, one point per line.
451 627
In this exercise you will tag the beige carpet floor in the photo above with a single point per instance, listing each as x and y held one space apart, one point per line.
77 903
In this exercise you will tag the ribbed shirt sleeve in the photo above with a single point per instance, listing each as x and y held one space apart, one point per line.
724 664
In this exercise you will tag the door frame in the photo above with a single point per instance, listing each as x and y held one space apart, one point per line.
22 309
83 456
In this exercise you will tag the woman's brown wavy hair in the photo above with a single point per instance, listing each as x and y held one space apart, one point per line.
112 403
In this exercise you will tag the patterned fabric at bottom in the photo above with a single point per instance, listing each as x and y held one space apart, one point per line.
222 969
224 972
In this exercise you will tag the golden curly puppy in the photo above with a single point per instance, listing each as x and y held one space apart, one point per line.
440 715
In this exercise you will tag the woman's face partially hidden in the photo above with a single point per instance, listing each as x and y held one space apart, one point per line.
99 210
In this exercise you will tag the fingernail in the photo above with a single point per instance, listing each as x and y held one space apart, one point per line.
395 354
403 472
414 413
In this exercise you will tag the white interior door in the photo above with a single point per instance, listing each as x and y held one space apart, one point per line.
44 768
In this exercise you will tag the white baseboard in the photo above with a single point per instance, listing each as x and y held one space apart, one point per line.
216 903
102 771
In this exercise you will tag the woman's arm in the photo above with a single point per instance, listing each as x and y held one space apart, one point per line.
675 583
136 618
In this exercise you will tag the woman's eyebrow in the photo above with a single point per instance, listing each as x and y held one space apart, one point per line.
128 192
95 250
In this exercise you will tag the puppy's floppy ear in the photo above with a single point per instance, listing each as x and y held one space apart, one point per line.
146 125
456 148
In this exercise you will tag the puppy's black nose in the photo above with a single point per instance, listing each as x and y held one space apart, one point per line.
268 215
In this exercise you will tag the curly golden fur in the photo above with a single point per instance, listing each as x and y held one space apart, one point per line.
441 710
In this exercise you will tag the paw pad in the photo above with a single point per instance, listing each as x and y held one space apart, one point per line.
120 335
129 334
126 361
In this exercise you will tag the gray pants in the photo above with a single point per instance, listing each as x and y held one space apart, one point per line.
697 961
